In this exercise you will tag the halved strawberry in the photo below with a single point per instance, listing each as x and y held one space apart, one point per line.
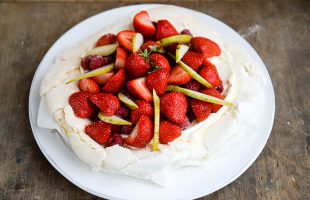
115 84
209 72
165 29
103 78
106 102
89 85
124 39
178 76
173 106
81 105
157 60
143 24
168 132
157 80
148 44
193 59
142 133
121 58
205 46
108 38
137 66
201 109
213 92
99 131
144 108
138 88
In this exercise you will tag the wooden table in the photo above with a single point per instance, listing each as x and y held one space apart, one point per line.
278 30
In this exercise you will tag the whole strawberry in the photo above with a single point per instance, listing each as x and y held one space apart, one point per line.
81 105
99 131
165 29
209 72
137 65
174 106
159 61
168 132
106 102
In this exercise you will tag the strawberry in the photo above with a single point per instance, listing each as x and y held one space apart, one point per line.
205 46
81 104
157 80
193 85
137 66
178 76
103 78
173 106
165 29
138 88
115 128
144 108
184 124
85 62
107 102
201 109
143 24
121 58
108 38
122 112
168 132
99 131
115 139
115 84
142 134
99 61
193 59
127 129
147 45
157 60
213 92
209 72
124 38
89 85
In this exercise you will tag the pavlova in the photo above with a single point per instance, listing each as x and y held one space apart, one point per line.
140 97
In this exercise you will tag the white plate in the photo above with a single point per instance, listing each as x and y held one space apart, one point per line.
187 183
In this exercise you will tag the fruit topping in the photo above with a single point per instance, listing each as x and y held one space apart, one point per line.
138 88
142 133
125 100
156 121
159 61
106 102
108 38
151 45
186 32
144 108
179 39
127 129
137 42
103 78
99 131
193 85
180 52
137 65
115 84
173 106
81 105
112 119
220 88
213 92
104 50
115 139
157 80
209 73
178 76
201 109
193 59
205 46
124 39
89 85
121 58
122 112
164 29
168 132
96 72
143 24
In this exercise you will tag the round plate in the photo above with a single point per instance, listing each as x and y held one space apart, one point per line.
187 183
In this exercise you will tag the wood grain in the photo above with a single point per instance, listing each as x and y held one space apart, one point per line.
278 30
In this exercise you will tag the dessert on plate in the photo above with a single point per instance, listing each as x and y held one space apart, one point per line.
141 97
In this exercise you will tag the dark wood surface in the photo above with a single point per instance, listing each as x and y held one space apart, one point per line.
278 30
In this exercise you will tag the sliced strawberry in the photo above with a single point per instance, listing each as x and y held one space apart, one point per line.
168 132
201 109
157 80
115 84
142 134
137 66
193 59
144 108
81 105
103 78
173 106
89 85
138 88
209 72
159 61
124 39
108 38
121 58
178 76
165 29
213 92
99 131
143 24
149 44
193 85
106 102
205 46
